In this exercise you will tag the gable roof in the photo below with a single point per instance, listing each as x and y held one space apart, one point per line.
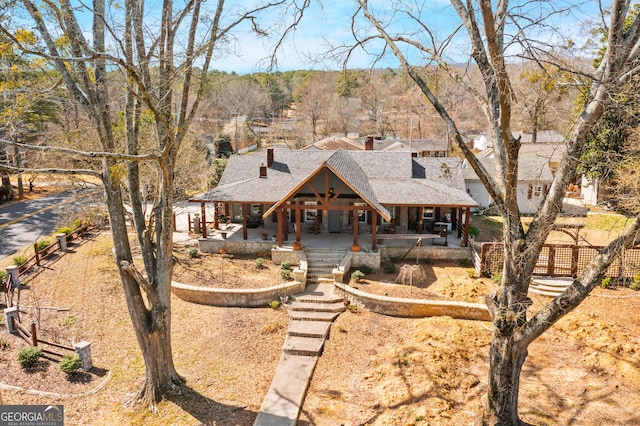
381 178
529 169
333 143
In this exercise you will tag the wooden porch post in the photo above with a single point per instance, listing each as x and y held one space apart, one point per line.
285 224
374 229
280 219
459 221
355 227
245 213
465 239
216 216
298 214
203 210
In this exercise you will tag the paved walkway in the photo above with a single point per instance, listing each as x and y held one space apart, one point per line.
311 315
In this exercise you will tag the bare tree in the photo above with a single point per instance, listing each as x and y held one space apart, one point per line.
163 68
487 26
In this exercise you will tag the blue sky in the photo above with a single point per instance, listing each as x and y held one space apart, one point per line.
329 23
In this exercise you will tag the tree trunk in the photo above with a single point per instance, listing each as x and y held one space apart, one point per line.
506 360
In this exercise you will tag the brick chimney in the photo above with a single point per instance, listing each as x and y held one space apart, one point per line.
368 145
263 170
269 157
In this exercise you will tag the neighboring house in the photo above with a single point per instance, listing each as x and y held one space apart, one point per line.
420 147
534 178
333 143
342 191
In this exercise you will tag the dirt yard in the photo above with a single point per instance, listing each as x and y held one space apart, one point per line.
375 369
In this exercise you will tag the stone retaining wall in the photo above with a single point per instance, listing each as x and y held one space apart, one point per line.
210 245
415 308
433 252
251 298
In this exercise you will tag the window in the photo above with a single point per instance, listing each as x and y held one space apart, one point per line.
362 214
310 214
427 213
537 191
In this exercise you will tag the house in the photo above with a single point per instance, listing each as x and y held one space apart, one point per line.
534 178
341 191
333 143
438 148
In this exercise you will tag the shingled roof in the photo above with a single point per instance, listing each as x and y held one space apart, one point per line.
380 178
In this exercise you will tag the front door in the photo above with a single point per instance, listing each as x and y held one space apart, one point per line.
335 221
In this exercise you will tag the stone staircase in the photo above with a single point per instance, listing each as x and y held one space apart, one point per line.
548 286
311 316
321 261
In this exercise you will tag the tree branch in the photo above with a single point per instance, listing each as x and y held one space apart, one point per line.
97 154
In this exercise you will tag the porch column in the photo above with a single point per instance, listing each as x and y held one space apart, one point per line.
459 221
245 213
465 239
374 229
285 224
203 215
216 215
298 214
355 227
280 219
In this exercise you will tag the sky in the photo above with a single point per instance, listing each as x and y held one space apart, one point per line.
328 23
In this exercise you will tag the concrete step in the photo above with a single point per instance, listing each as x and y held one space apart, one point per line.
313 316
320 299
544 293
550 288
552 282
303 346
318 329
317 307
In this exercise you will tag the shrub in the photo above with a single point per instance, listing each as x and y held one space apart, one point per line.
471 273
473 231
3 344
70 364
20 259
285 265
259 263
43 244
357 275
274 304
28 357
3 276
352 308
635 285
192 252
606 282
365 269
77 223
285 274
390 268
497 278
65 230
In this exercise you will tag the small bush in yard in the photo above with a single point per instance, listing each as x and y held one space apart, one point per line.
65 230
28 357
357 275
274 304
390 268
285 274
285 265
192 252
606 282
3 276
259 263
70 364
635 285
43 244
471 273
365 269
21 259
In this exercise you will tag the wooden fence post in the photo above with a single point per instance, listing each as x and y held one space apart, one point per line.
189 220
575 251
174 221
37 256
34 335
551 260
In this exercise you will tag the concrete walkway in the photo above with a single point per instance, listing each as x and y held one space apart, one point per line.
311 315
